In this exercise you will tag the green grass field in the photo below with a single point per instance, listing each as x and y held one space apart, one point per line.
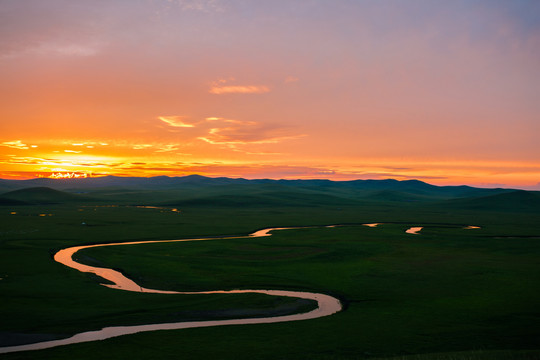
448 293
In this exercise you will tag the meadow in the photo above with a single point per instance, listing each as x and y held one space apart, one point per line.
448 293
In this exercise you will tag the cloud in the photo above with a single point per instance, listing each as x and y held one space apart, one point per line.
239 136
177 121
230 133
258 171
66 49
231 121
63 160
248 170
156 147
291 79
141 146
201 5
168 147
57 28
24 160
224 86
264 153
238 132
197 5
16 144
239 89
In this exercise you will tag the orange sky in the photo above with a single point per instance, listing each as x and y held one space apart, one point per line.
445 92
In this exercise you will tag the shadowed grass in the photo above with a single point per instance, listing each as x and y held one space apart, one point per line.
475 355
444 291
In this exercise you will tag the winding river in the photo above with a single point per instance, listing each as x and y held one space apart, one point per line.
326 305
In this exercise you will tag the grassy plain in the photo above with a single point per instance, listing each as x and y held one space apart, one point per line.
449 292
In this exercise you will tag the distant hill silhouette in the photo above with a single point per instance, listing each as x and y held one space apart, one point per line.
12 202
401 196
40 195
156 182
166 182
516 200
196 190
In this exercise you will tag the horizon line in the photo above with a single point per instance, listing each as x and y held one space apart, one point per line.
269 178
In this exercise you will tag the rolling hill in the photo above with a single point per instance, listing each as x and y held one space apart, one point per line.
517 200
41 195
196 190
166 183
263 199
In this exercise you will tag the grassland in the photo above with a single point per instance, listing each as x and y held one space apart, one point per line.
448 293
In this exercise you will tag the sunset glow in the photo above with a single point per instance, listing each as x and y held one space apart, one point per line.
59 175
444 92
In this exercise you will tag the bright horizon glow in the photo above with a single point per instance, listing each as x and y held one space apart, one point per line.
443 92
462 172
68 175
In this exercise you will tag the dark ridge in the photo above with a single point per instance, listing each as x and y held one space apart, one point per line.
397 196
353 188
43 195
516 200
12 202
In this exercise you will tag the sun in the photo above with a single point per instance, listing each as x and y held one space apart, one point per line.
68 175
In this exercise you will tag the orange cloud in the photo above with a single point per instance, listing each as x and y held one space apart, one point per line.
177 121
239 89
290 79
235 136
16 144
73 49
232 121
168 147
23 160
230 133
238 132
141 146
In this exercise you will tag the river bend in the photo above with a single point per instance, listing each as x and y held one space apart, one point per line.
326 305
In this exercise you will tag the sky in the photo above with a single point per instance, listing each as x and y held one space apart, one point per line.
447 92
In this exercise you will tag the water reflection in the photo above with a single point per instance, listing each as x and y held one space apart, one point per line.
414 230
372 225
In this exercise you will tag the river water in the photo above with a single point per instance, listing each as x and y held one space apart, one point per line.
414 230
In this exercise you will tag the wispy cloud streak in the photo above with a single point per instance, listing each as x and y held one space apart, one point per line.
177 121
16 144
239 89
